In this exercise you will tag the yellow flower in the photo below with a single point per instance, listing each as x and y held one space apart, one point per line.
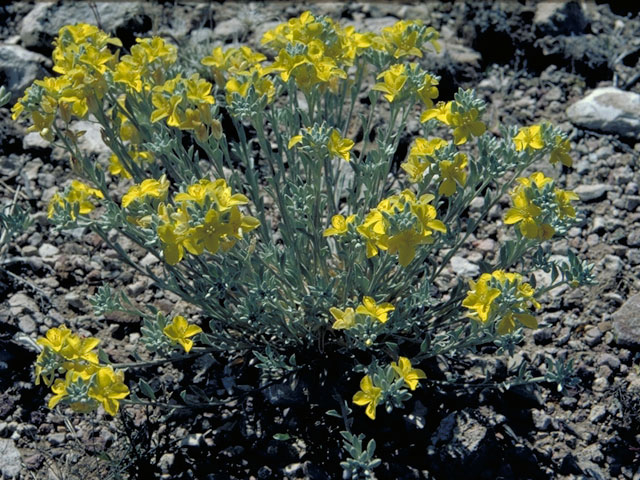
76 348
344 320
410 375
524 211
180 331
368 395
440 112
404 244
466 124
372 309
116 168
108 388
507 324
338 146
529 137
560 152
563 200
394 79
339 225
55 338
148 188
480 297
452 173
428 92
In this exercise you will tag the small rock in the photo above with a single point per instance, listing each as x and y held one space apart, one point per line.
56 439
91 142
626 323
10 461
26 324
559 18
193 440
598 412
148 260
609 360
593 336
633 239
608 110
166 462
29 251
588 193
74 300
541 420
19 302
543 336
232 30
19 68
462 266
47 250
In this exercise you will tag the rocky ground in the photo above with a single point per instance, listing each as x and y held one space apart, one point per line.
574 64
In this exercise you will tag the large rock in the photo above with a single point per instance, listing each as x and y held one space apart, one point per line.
626 323
19 68
10 461
559 18
608 110
91 142
40 26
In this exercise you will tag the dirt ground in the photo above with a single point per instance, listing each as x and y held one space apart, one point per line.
529 62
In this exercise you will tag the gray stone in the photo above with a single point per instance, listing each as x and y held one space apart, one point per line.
19 68
593 336
608 110
609 360
541 419
626 323
232 29
633 239
462 266
10 461
27 324
91 142
41 25
19 302
597 413
559 18
589 193
48 250
34 141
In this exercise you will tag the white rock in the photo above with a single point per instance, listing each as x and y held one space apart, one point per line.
10 461
559 18
462 266
608 110
588 193
19 68
48 250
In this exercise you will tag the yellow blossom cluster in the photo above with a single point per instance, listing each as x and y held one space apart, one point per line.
401 82
81 56
204 217
537 206
76 196
504 297
321 138
345 319
464 122
370 394
399 224
86 383
421 157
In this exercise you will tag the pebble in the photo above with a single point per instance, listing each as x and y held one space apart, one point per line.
541 419
626 323
26 324
462 266
598 412
593 336
47 250
10 461
589 193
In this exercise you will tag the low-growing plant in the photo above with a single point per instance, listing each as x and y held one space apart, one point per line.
244 178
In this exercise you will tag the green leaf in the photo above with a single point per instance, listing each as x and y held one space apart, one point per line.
281 436
146 389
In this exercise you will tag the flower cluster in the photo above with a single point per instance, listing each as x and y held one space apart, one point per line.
368 308
323 142
76 198
86 383
464 121
502 297
374 390
204 217
400 82
540 208
399 224
82 56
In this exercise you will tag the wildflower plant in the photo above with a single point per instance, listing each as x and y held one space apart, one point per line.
286 235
